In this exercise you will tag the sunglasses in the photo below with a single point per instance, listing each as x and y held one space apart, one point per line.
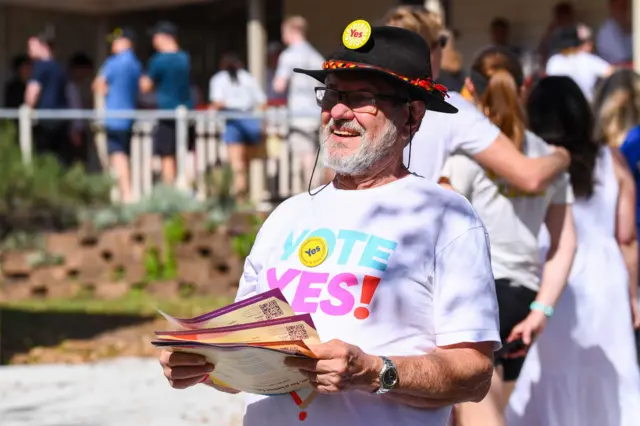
357 100
441 42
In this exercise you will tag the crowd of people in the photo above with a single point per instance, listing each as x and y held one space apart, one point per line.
500 224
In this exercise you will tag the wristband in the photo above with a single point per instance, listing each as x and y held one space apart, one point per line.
537 306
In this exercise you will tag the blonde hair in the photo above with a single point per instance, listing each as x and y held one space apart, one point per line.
617 107
417 19
297 23
500 100
451 56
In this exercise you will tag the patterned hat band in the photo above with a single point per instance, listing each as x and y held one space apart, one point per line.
424 83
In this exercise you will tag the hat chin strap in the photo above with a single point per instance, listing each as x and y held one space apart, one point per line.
315 164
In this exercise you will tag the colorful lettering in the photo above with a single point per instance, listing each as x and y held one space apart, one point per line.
343 295
328 236
305 291
350 238
283 281
290 246
373 257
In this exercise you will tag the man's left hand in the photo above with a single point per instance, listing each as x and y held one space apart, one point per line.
339 366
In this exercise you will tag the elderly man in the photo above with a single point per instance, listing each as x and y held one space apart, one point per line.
400 286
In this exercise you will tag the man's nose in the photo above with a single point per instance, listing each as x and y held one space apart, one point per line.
341 112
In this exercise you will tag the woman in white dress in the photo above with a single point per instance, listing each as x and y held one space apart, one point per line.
582 371
513 219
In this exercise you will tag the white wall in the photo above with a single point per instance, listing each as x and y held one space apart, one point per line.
529 19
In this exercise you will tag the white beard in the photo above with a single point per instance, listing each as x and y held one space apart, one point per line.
365 156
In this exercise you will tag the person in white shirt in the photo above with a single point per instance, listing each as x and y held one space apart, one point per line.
304 122
615 39
468 131
571 60
235 90
424 340
513 220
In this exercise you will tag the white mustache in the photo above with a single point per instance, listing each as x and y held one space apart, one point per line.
339 125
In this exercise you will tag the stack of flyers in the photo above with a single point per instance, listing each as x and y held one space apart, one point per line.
247 342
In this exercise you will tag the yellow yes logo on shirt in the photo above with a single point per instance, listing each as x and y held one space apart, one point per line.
313 251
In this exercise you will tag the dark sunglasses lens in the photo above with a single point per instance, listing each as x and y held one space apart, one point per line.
329 99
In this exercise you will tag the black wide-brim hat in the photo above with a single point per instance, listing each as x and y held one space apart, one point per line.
396 54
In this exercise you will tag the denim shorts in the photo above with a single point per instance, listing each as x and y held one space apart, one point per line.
243 131
119 141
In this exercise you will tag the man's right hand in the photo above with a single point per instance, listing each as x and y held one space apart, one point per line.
184 370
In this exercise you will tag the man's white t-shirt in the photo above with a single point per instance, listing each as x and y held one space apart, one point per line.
513 218
441 135
245 94
583 67
424 255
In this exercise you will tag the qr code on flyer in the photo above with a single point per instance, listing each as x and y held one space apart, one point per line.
297 332
271 310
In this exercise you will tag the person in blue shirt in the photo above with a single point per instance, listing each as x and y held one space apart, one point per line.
47 90
630 148
168 72
118 81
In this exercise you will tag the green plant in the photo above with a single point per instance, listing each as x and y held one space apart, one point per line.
243 242
165 266
43 195
42 258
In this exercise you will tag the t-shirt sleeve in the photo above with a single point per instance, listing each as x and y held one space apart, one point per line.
554 67
107 70
631 151
462 172
155 68
600 66
466 307
472 131
286 64
562 190
216 89
38 73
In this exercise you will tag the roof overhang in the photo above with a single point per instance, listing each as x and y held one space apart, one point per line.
95 7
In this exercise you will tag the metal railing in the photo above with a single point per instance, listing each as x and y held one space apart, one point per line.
276 176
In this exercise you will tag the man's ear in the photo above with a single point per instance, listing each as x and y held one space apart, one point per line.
417 109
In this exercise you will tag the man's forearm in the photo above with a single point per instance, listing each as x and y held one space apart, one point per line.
547 170
442 378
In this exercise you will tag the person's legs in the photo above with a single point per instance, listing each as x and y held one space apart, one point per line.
234 137
513 304
118 144
165 148
303 139
489 411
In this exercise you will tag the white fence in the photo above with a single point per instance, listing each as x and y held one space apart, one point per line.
276 176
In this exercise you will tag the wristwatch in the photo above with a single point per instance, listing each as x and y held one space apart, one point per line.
388 376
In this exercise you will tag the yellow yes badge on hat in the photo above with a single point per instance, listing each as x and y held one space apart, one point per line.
313 251
356 34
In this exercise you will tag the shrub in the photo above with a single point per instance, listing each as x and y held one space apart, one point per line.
43 196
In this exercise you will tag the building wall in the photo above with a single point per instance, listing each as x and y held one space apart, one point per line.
529 20
328 18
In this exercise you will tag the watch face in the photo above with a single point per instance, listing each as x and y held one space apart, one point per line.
390 377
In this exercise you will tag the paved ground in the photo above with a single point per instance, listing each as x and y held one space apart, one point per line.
123 392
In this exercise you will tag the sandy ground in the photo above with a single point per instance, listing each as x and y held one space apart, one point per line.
122 392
